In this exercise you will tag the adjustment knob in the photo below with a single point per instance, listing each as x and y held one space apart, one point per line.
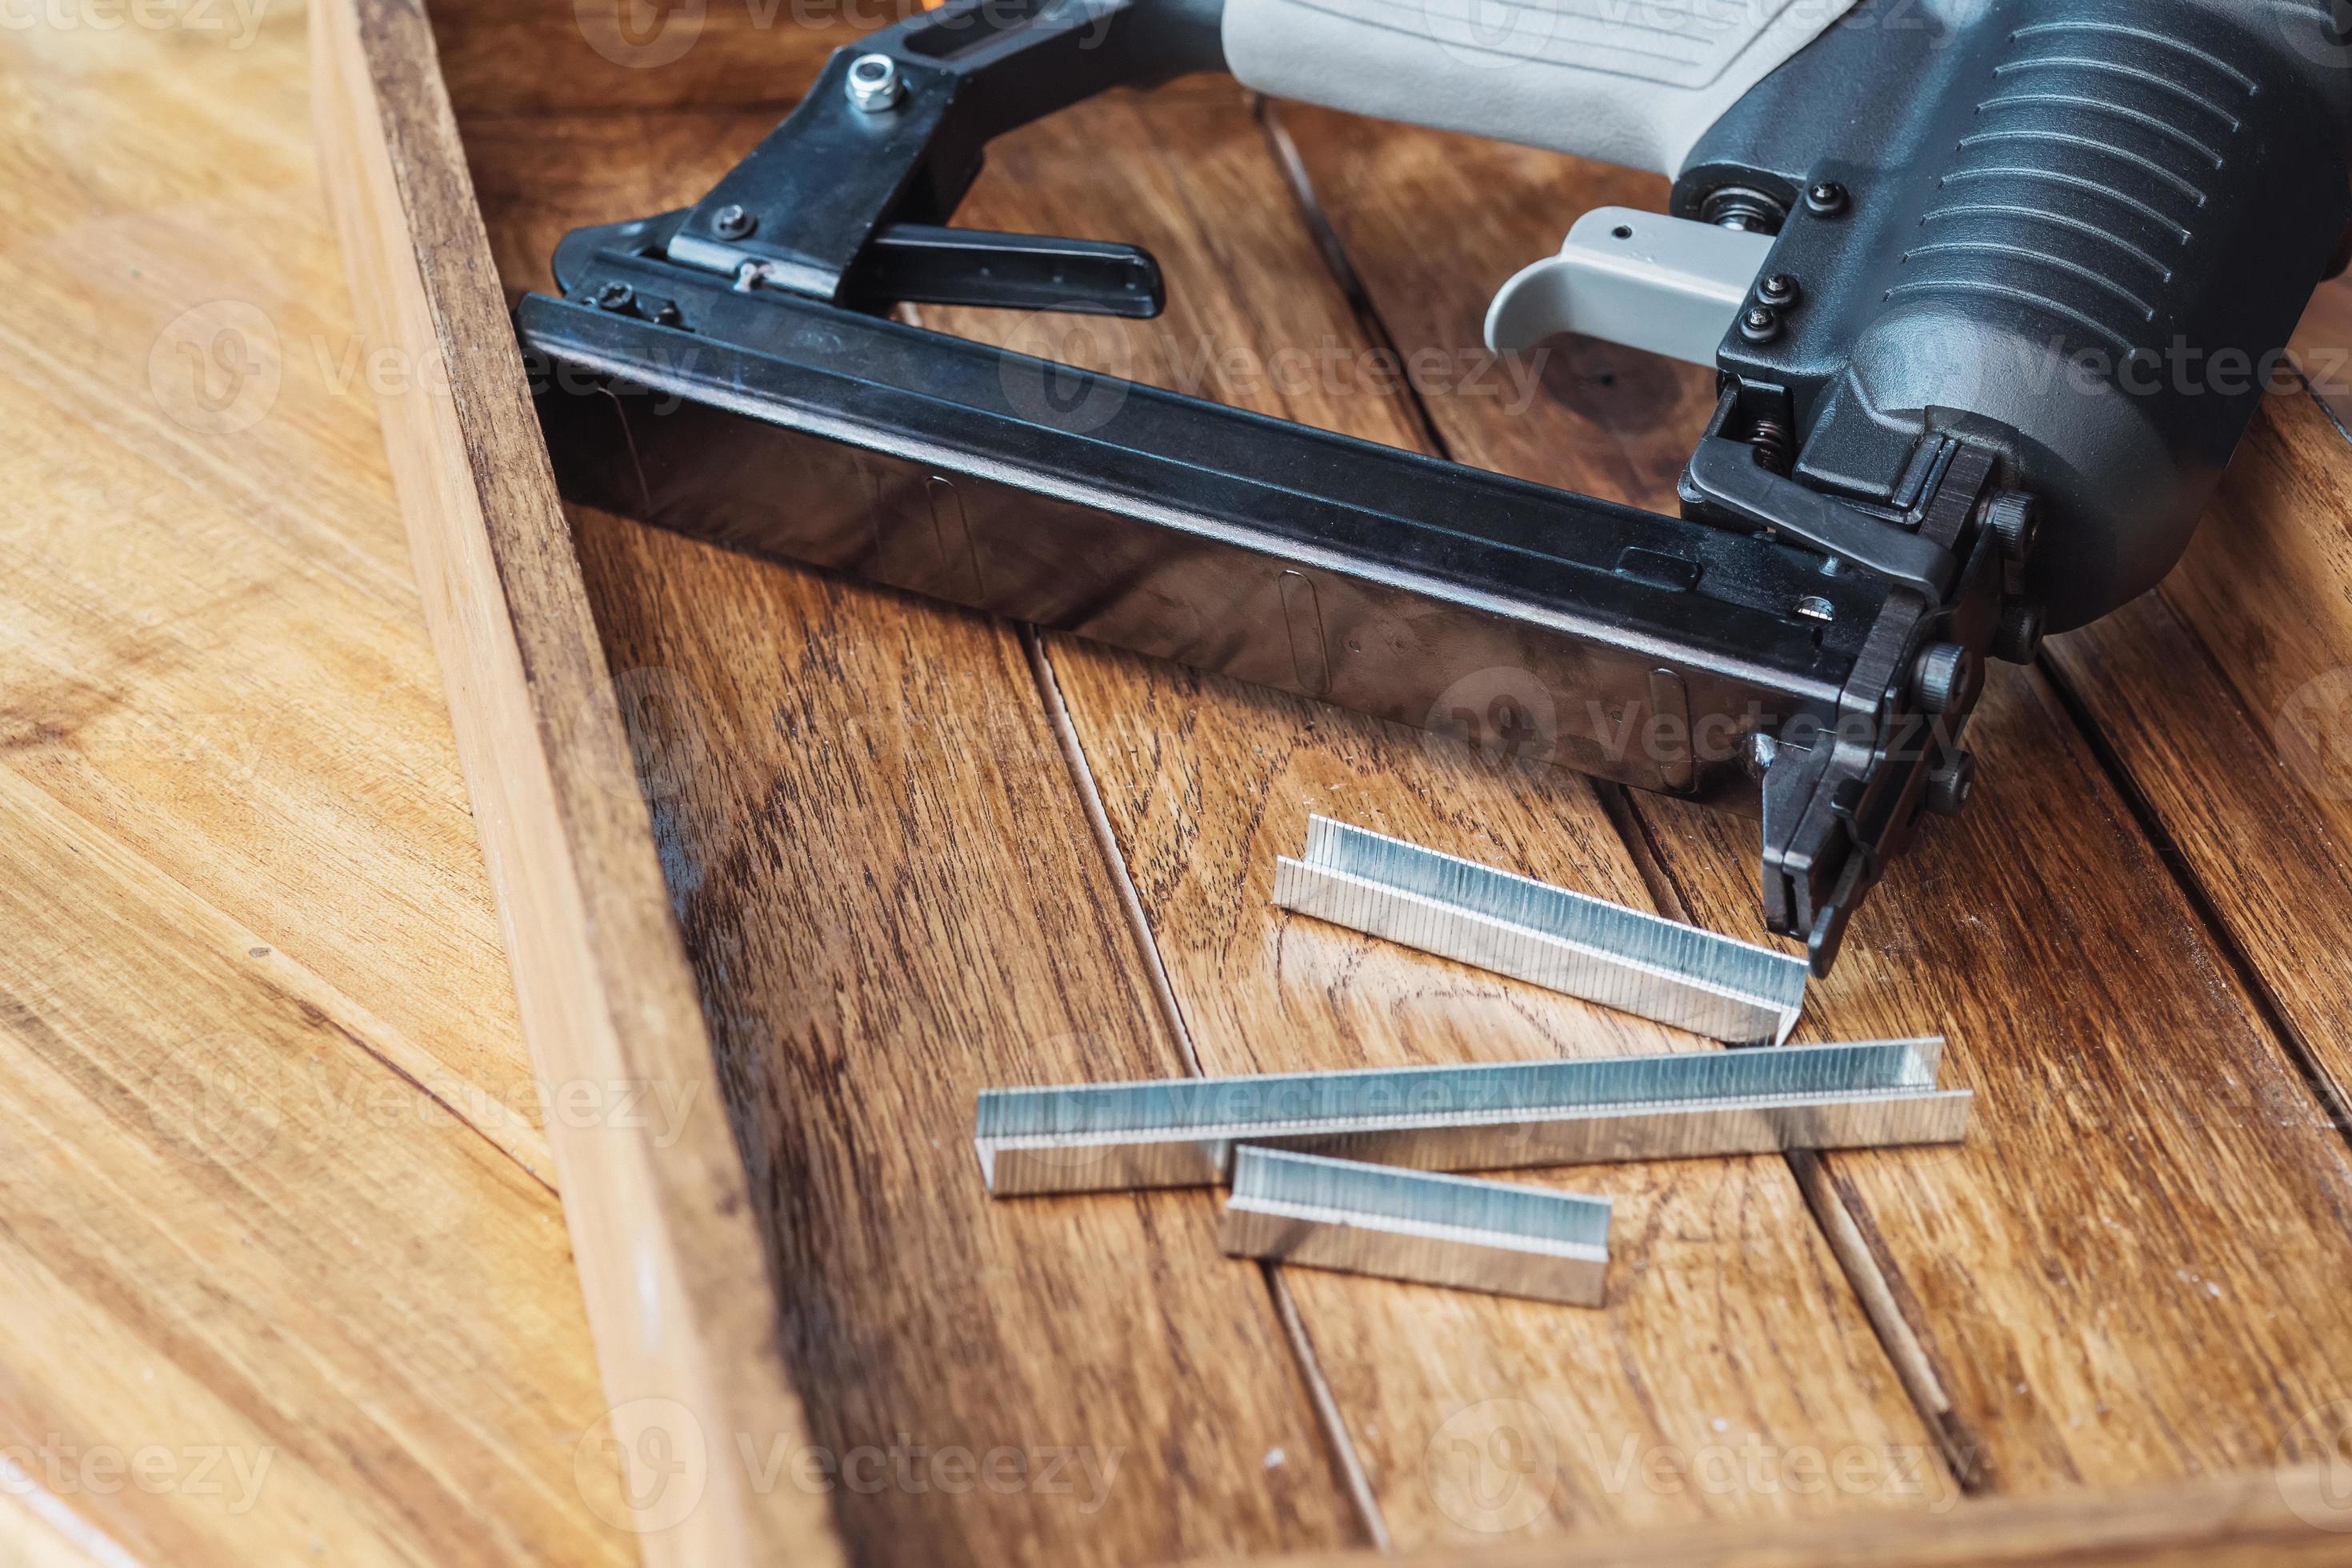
2020 636
2015 519
1949 786
1944 678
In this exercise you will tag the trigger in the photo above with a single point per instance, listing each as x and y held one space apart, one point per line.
1666 285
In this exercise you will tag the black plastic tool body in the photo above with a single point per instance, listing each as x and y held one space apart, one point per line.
2078 232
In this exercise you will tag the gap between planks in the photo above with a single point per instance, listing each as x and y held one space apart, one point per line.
1349 1462
2332 1095
1866 1272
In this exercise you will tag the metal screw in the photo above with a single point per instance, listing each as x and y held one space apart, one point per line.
1948 786
2016 521
1761 325
1814 608
616 296
874 84
1780 289
1826 199
732 222
2020 636
1944 677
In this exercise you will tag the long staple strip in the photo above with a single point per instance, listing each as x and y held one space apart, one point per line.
1181 1133
1412 1225
1587 947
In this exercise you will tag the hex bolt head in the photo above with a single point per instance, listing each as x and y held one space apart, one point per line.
732 222
1827 199
2015 519
1779 290
616 296
1943 677
2020 636
1760 324
1948 786
874 85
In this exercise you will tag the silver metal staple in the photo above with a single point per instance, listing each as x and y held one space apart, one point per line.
1180 1132
1587 947
1472 1234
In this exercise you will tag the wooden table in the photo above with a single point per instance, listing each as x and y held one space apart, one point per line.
279 1224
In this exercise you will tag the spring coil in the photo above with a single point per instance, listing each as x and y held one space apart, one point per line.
1774 448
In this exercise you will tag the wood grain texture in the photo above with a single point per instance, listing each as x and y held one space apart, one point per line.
2225 696
528 58
2269 1521
1730 1329
284 1275
660 1219
2126 1274
893 899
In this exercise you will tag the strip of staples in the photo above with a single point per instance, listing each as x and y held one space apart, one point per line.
1182 1132
1586 947
1430 1229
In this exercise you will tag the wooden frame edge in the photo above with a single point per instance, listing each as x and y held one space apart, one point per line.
2258 1519
679 1301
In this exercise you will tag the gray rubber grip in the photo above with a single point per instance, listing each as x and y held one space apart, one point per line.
1636 82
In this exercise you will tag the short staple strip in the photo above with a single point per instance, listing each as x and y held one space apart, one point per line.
1507 1239
1586 947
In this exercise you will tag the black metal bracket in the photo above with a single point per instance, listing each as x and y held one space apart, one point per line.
727 369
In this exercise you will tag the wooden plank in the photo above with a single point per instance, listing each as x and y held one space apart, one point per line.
894 899
670 1257
2265 1521
530 58
283 1279
2126 1273
280 1273
2224 697
186 683
1730 1328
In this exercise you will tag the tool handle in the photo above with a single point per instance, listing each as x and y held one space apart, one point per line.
1629 84
2081 235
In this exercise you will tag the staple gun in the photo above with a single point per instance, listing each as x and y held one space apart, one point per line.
1992 290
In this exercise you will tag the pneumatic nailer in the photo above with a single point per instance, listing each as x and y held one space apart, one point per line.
1947 258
